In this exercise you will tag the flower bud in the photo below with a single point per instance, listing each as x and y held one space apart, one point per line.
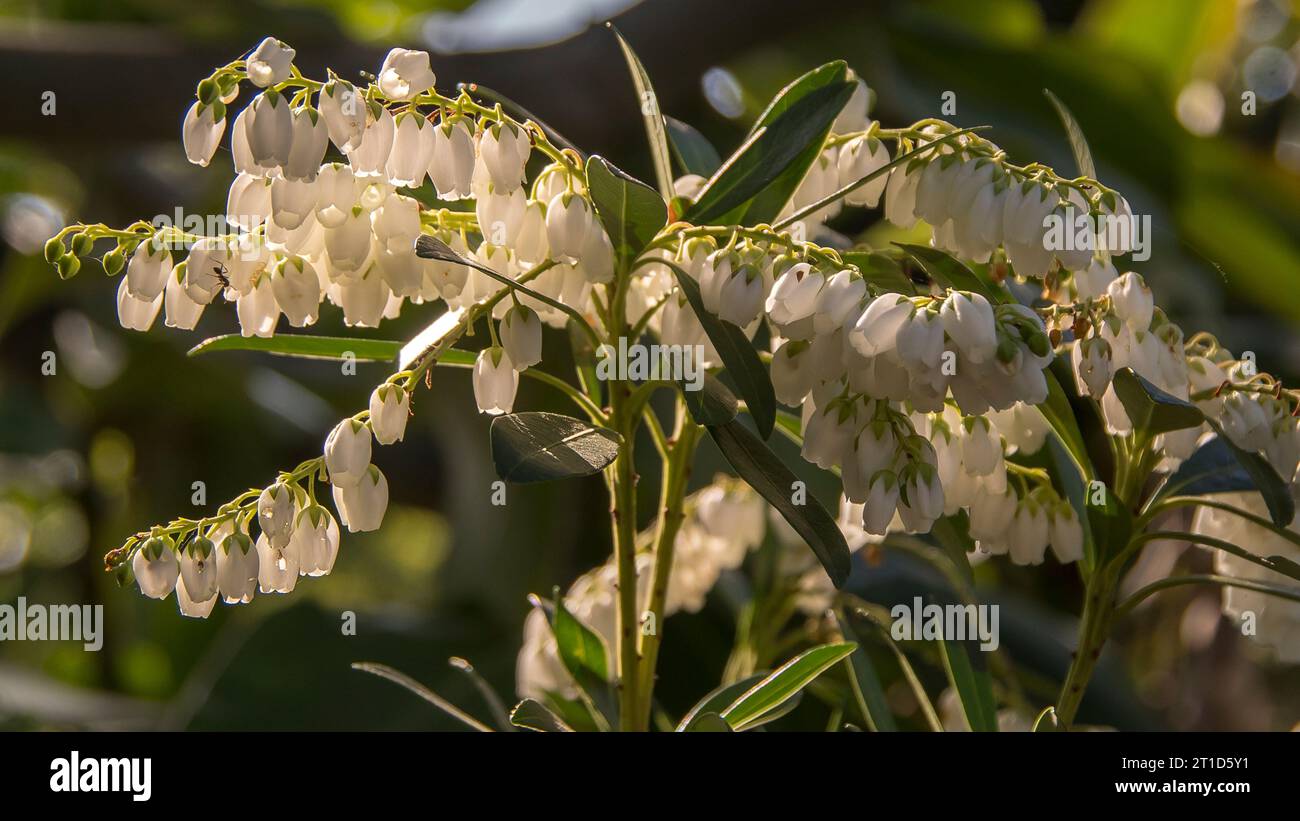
344 111
198 569
269 63
347 452
521 337
237 568
495 381
201 132
362 506
390 407
405 74
155 567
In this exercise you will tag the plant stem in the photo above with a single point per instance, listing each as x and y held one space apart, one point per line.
676 474
624 525
1098 608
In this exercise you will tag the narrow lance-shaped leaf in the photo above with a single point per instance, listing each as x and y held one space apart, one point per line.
783 683
970 678
738 356
692 150
304 346
536 447
654 120
581 649
1276 493
531 715
768 475
776 156
1078 143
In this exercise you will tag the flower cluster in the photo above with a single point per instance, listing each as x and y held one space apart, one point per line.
724 521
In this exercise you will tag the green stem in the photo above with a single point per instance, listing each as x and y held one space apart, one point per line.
676 474
623 515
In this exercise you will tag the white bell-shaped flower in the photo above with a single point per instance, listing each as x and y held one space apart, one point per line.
269 128
344 111
531 246
362 506
269 63
202 130
347 452
336 194
275 513
257 310
292 202
742 297
240 152
316 541
349 244
794 295
390 407
297 290
876 331
1029 533
155 567
521 336
842 294
568 219
495 381
412 150
504 148
793 372
364 299
858 158
248 204
500 214
148 270
451 168
198 568
182 312
1092 282
310 138
1093 366
1066 534
206 266
396 223
921 498
881 504
136 314
188 606
405 74
277 567
968 321
1132 301
403 271
237 568
370 157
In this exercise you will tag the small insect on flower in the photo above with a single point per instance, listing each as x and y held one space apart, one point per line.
222 273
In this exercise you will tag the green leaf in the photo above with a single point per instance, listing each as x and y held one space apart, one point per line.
1276 563
581 649
630 210
1276 493
709 723
738 356
757 181
654 119
693 151
970 678
304 346
951 272
783 683
1213 468
1150 409
1047 722
718 699
768 475
868 689
1110 525
882 269
712 404
537 447
1078 143
1060 415
531 715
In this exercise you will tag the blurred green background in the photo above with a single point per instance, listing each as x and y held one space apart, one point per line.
116 438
